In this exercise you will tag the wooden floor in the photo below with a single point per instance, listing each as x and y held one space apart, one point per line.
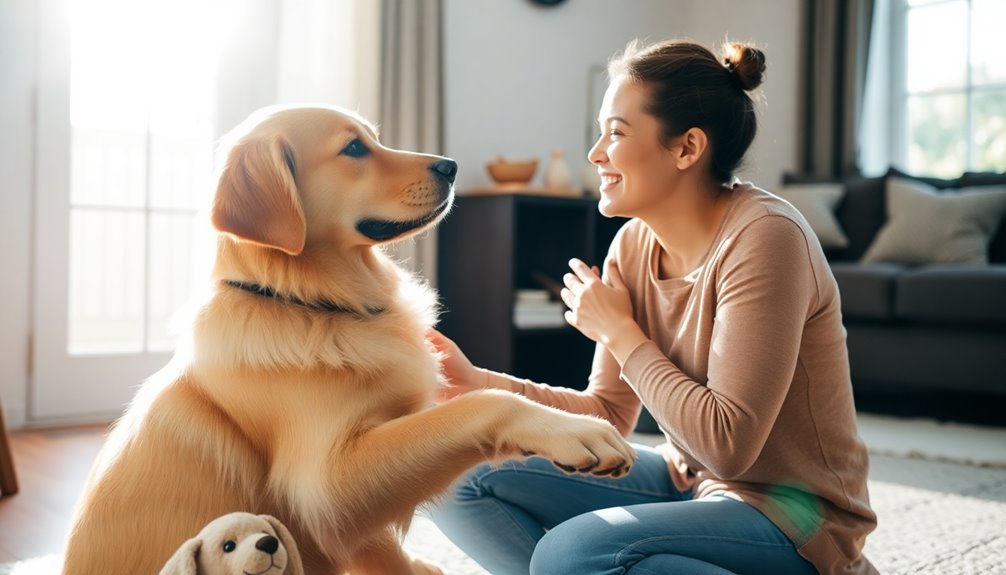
52 465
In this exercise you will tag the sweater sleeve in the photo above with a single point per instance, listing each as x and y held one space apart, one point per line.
606 395
765 288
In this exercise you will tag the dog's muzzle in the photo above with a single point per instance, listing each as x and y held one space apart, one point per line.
444 172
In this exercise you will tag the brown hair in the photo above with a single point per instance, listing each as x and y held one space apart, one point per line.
690 87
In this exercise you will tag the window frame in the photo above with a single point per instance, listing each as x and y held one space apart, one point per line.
900 96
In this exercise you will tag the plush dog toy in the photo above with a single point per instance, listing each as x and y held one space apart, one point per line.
238 543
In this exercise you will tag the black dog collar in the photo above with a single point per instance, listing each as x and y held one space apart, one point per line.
320 305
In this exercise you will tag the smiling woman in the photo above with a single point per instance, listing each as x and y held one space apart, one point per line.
762 469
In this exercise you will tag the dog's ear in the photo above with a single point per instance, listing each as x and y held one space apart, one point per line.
294 565
257 199
183 562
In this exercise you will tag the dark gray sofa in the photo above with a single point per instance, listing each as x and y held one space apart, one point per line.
920 328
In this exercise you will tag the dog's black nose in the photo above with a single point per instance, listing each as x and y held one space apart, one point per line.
268 544
447 168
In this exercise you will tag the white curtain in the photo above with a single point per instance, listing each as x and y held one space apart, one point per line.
837 43
877 130
301 52
410 90
329 51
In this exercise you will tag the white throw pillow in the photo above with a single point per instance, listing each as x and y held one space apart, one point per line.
817 203
925 225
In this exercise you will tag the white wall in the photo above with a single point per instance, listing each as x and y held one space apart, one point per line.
516 74
774 27
17 74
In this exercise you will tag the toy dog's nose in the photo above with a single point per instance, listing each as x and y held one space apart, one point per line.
268 544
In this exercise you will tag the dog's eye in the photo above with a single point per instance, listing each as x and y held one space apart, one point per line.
356 149
229 546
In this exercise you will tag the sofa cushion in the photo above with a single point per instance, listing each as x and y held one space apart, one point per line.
861 213
918 357
816 202
938 183
971 179
867 290
926 225
959 295
997 247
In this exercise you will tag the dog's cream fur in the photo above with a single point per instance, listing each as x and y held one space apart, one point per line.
322 418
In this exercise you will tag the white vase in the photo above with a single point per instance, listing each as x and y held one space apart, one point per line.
557 177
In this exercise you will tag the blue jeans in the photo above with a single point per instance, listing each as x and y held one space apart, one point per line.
529 517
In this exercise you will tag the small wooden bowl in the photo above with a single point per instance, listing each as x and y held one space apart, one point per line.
512 172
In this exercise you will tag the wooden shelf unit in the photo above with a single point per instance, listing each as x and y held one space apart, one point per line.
489 247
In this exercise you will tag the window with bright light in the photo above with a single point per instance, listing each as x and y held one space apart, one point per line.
951 107
142 112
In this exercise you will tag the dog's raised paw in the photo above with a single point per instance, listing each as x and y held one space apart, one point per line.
578 444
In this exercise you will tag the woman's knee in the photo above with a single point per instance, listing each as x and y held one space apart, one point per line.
471 485
580 545
470 494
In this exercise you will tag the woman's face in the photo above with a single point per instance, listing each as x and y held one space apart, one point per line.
636 170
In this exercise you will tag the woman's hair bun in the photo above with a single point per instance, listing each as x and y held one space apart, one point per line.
747 64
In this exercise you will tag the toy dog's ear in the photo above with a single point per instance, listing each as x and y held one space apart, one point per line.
257 198
294 566
183 562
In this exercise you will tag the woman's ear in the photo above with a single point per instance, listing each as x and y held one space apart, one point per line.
257 198
690 148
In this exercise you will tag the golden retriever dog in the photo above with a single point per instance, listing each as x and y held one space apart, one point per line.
306 391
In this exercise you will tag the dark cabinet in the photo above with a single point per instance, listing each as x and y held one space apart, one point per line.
490 248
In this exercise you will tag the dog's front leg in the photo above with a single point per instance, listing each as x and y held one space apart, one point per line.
412 459
385 556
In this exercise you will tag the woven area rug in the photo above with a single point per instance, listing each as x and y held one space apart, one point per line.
939 491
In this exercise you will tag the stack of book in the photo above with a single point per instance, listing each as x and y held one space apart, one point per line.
533 309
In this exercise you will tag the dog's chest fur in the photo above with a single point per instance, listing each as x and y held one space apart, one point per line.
348 371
